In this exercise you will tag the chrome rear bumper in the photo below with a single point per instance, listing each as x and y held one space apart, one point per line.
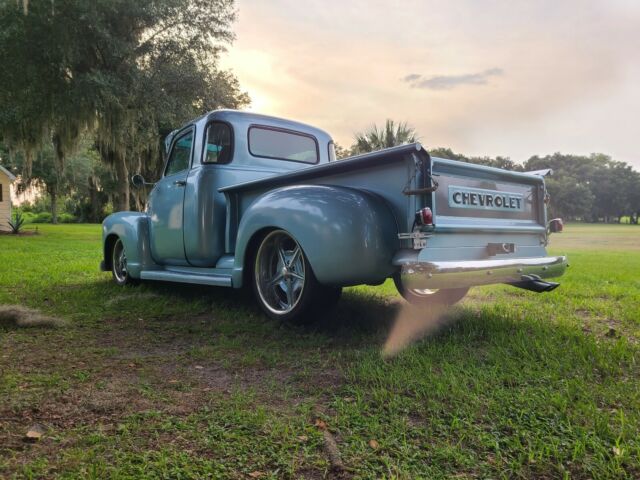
433 275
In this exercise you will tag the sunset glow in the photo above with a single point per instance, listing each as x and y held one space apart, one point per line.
513 78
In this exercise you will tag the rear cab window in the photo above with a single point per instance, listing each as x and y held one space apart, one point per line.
280 144
219 143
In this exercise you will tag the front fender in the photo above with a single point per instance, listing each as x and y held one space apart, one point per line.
133 229
349 235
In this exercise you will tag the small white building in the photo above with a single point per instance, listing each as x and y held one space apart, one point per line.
6 179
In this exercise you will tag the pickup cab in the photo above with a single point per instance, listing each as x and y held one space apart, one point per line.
259 201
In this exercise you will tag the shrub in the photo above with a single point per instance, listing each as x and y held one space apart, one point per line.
16 225
45 217
42 217
29 217
67 218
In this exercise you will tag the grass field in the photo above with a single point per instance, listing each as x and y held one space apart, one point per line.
167 381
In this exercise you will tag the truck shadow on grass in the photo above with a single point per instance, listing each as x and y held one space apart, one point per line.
360 321
360 318
356 313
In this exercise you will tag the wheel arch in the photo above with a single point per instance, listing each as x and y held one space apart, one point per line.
133 229
348 235
109 243
251 250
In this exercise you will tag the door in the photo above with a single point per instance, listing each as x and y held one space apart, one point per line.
166 204
205 209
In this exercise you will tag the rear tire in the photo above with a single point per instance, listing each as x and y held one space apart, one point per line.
284 283
424 298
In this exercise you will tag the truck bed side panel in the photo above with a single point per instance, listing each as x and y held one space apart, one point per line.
348 235
383 173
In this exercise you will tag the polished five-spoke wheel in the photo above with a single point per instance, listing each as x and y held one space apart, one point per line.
284 283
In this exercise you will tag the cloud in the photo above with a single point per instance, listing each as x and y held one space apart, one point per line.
412 77
447 82
575 76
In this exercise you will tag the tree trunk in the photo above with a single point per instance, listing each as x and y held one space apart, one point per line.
53 192
94 212
122 173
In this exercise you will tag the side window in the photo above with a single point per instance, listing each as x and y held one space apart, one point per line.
180 154
218 148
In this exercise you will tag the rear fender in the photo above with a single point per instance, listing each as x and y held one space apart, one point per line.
349 235
133 229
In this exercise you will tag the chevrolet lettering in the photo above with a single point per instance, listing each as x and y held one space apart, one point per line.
248 200
461 197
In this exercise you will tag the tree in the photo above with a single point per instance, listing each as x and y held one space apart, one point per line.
45 172
119 69
390 135
497 162
342 152
592 188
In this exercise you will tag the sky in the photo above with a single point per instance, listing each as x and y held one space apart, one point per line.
514 78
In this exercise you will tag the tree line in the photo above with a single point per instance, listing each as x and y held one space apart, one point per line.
593 188
91 89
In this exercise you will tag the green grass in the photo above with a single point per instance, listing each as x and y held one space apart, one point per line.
170 381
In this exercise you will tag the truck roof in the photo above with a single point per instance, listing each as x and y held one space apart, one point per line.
236 116
245 119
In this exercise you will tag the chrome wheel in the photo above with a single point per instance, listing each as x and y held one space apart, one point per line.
429 297
119 263
280 273
422 292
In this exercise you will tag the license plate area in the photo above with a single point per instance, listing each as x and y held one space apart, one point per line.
494 249
418 239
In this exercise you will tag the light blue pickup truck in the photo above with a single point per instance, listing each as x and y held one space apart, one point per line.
253 200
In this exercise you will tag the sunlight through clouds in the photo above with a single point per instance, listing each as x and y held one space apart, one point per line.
509 78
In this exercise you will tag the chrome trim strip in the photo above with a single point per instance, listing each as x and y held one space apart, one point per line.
488 227
167 276
432 275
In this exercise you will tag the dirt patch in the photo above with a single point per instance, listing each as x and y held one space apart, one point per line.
136 297
179 358
312 474
22 317
583 313
174 365
26 233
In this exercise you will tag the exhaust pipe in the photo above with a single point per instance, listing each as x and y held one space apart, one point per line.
535 284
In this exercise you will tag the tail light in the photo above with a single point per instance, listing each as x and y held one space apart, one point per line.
424 216
556 225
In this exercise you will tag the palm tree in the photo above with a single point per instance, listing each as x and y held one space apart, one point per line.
391 135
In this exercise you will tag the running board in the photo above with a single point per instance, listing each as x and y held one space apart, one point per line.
216 280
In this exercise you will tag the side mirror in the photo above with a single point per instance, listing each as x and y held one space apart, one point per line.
555 226
138 181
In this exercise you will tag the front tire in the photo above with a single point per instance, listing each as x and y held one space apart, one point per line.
425 298
284 283
119 269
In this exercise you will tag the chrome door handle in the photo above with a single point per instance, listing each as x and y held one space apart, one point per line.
180 183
